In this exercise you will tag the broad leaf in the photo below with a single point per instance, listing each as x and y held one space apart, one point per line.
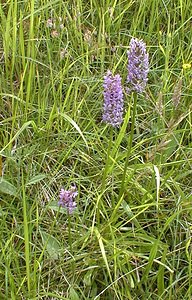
51 244
8 188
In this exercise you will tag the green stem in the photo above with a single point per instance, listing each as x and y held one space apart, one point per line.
69 230
108 160
130 145
70 242
121 193
26 236
105 173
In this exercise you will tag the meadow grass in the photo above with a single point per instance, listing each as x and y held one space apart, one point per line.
124 241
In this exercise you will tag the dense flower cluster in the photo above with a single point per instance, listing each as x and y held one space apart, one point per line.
113 100
138 66
66 199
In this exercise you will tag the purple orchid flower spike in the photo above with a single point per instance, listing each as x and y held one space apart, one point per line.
138 66
66 199
113 100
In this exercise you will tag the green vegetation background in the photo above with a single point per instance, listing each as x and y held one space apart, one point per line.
53 56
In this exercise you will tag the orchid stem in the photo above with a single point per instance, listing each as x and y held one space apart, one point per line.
134 96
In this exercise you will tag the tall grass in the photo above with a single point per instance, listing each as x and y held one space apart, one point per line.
133 246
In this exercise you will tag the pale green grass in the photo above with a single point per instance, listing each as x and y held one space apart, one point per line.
125 241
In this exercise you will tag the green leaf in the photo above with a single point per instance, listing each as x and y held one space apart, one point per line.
73 294
36 179
23 127
103 252
54 206
87 280
74 124
8 188
51 244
